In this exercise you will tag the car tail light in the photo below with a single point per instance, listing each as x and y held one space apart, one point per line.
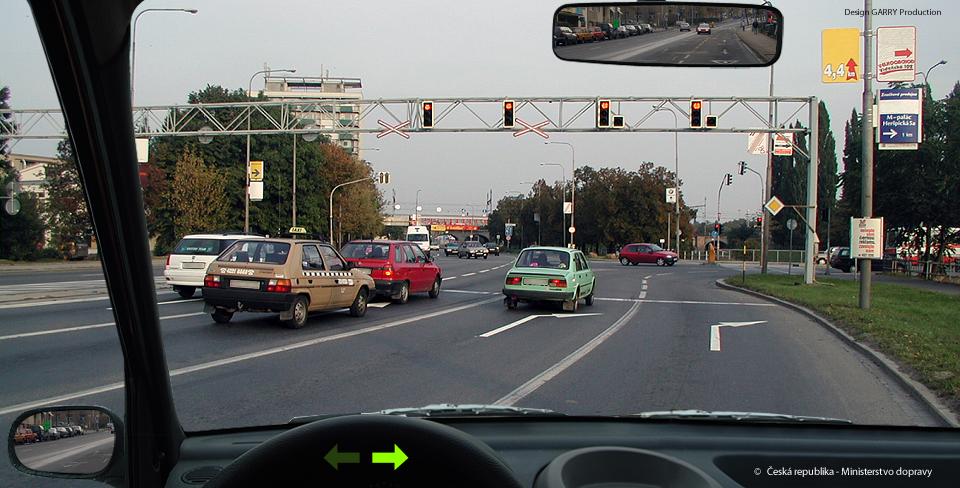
168 261
281 285
211 281
384 272
558 283
514 280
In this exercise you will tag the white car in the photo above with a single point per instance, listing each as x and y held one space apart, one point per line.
187 264
419 235
703 28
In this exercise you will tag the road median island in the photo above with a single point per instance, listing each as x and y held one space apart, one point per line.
913 334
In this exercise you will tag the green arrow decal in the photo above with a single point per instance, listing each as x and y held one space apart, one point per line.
335 457
396 458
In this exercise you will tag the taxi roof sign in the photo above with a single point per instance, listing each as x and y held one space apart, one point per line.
297 230
774 206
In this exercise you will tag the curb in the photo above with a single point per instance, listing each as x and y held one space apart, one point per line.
916 389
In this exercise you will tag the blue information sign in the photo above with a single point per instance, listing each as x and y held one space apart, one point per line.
899 117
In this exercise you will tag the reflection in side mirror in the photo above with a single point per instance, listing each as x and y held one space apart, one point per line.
64 441
668 34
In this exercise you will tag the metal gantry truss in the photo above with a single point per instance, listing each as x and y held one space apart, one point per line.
451 115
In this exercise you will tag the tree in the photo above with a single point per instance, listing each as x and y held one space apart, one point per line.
196 196
66 209
828 177
849 204
21 235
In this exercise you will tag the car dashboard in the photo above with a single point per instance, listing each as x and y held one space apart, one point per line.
627 452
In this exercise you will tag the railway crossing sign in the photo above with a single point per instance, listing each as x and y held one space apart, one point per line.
393 129
532 128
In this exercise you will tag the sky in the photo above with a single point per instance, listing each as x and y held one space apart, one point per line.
496 48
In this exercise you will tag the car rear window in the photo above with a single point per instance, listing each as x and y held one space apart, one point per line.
262 252
199 247
544 258
418 237
365 250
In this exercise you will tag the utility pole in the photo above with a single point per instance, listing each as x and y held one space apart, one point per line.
866 134
768 188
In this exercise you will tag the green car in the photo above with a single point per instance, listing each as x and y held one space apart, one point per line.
553 274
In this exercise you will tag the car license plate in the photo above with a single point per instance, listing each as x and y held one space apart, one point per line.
535 281
192 265
245 284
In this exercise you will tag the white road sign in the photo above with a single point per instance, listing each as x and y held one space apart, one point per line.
671 195
567 208
143 150
783 144
758 143
896 53
866 238
256 191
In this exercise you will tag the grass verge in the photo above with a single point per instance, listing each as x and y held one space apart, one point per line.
919 329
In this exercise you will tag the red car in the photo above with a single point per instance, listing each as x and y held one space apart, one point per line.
598 34
647 253
398 268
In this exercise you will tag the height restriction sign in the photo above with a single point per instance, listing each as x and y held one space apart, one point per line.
840 55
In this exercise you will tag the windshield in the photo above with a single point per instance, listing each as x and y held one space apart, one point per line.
405 123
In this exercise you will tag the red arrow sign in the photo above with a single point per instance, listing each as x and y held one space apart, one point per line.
904 52
851 69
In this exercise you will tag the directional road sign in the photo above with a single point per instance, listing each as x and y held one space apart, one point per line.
896 53
840 55
900 115
774 206
256 170
783 144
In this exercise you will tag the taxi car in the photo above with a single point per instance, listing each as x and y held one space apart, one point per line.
556 274
291 276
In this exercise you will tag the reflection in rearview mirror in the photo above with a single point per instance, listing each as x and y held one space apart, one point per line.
65 441
668 34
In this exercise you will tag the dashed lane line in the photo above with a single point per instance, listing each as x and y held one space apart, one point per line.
84 327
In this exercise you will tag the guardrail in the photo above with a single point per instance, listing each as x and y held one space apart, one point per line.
753 255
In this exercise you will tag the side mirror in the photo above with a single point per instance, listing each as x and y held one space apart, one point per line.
81 442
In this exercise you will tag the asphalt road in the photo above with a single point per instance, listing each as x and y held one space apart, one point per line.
88 453
646 344
721 47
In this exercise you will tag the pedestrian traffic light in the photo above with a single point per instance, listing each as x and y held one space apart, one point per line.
696 114
743 167
711 121
759 221
729 179
718 228
508 122
426 114
603 113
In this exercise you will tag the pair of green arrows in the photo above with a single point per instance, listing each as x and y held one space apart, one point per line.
335 458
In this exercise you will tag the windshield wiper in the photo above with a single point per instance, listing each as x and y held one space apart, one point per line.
455 410
744 416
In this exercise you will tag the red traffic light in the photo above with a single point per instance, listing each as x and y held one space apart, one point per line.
508 105
697 105
428 106
604 105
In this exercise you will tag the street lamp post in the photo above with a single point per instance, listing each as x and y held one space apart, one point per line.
341 185
246 199
573 188
417 209
538 218
927 73
763 187
133 39
563 196
676 174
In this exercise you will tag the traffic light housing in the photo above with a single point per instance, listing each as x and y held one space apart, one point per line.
383 178
426 114
759 222
711 122
729 179
743 167
696 114
718 228
508 122
603 113
618 122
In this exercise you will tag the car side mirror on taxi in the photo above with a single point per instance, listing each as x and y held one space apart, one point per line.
79 442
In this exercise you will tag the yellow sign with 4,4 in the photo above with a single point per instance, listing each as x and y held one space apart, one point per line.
840 55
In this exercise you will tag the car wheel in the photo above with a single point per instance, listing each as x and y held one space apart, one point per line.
435 291
299 310
359 306
186 291
624 261
221 316
484 256
511 303
404 294
593 291
660 262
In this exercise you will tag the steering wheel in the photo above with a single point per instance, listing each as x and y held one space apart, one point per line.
436 455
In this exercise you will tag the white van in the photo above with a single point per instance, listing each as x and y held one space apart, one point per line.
187 264
420 235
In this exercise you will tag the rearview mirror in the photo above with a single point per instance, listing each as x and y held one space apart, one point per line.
65 442
693 34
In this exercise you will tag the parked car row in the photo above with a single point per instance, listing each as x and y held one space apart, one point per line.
566 36
27 434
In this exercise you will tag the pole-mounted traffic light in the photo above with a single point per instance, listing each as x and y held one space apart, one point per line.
743 167
603 113
508 122
426 114
759 222
696 114
711 122
729 179
718 228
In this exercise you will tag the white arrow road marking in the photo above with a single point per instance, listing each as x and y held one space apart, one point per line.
378 305
531 317
715 331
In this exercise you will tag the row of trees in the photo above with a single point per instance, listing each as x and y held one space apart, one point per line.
613 207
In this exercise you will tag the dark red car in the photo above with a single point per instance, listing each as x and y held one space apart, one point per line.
647 253
398 268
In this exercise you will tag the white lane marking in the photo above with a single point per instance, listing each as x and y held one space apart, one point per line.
58 302
473 292
45 459
715 331
643 286
187 300
686 302
84 327
647 277
378 304
643 294
662 274
484 270
531 317
548 374
246 357
448 278
468 274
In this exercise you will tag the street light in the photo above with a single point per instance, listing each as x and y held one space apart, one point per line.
563 197
246 202
676 175
418 206
573 187
341 185
927 73
133 39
